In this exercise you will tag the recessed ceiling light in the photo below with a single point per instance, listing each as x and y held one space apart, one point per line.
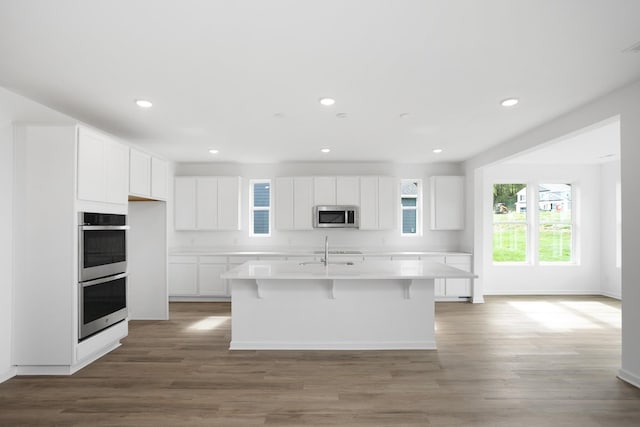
326 150
405 116
327 101
437 150
214 151
278 115
143 103
509 102
341 115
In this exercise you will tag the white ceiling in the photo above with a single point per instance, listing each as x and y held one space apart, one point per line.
599 144
245 76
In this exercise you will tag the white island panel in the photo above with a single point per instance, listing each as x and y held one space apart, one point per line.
284 305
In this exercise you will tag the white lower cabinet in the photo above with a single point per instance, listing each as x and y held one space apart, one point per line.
183 275
458 287
194 277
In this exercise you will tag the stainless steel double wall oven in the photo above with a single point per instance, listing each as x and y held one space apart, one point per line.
102 260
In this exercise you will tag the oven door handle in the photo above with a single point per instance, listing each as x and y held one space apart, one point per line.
105 227
103 280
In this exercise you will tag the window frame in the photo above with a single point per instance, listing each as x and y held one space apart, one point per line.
533 223
253 208
418 208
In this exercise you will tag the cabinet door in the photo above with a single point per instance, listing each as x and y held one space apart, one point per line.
139 174
183 278
185 203
369 203
209 281
447 202
388 202
347 190
284 203
457 287
207 203
439 288
324 190
303 203
117 172
91 166
229 203
159 175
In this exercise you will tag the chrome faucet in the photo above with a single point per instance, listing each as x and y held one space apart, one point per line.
325 260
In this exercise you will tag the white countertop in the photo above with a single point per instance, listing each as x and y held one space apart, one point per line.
401 269
304 251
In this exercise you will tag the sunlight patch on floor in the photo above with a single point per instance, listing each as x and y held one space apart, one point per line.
570 315
209 323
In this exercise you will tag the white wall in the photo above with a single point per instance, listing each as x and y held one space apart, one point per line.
610 232
583 277
430 240
625 103
6 249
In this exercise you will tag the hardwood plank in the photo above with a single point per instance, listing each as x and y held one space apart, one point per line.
525 361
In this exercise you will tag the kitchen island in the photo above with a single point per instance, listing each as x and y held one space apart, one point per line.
289 305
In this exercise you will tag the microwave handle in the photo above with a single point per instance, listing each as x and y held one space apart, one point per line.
103 280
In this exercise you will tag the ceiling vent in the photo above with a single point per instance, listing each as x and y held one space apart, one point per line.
633 49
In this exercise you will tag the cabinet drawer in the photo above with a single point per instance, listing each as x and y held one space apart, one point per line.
405 257
183 259
213 259
272 258
302 258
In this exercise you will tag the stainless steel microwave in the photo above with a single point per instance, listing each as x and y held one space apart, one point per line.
335 217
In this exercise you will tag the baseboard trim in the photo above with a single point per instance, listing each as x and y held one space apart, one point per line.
543 292
612 295
292 345
629 378
199 299
10 373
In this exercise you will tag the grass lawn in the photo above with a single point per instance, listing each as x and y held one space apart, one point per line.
510 243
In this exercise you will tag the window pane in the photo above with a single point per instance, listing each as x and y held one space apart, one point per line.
554 243
409 221
409 201
261 194
409 188
509 199
509 242
261 222
554 202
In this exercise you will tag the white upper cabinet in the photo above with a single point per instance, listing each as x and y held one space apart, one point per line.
139 174
303 203
102 168
324 190
207 203
348 190
148 176
378 202
369 203
185 203
229 203
447 202
294 203
159 179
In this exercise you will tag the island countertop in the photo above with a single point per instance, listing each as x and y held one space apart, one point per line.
366 270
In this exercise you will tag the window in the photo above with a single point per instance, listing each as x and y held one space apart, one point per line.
542 235
555 223
510 228
410 202
260 207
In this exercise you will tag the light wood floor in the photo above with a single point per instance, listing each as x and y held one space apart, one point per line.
516 361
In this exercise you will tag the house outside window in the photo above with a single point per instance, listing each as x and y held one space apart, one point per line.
555 223
260 199
536 236
510 228
411 207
